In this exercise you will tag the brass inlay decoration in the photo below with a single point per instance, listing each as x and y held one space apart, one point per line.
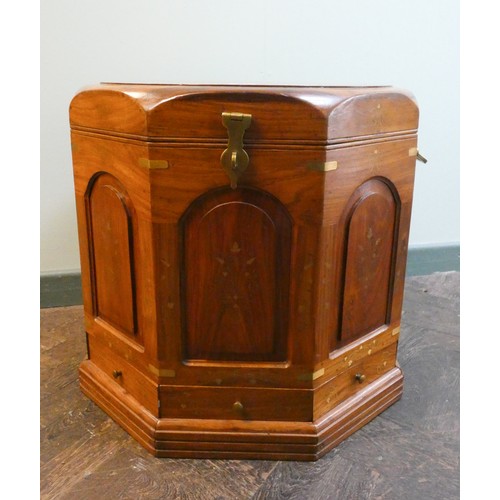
232 264
322 166
153 164
312 376
318 373
161 372
235 159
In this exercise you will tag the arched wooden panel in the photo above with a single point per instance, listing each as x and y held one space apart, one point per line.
371 228
110 222
235 277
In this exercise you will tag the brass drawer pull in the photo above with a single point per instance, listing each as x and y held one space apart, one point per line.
238 407
117 373
360 377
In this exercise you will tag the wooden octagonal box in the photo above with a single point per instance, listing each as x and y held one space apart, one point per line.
243 255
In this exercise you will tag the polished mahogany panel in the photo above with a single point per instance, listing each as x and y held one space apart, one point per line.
236 247
369 254
110 213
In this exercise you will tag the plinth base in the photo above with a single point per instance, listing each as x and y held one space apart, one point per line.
240 439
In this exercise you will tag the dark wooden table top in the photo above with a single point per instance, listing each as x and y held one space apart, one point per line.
411 451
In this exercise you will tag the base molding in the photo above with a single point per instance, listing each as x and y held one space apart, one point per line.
240 439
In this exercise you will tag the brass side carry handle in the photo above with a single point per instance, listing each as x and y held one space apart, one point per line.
421 158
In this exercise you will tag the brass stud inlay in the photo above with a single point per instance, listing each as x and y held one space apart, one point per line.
161 372
396 331
312 376
153 164
322 166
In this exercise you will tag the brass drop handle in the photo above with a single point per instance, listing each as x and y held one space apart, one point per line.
117 373
360 377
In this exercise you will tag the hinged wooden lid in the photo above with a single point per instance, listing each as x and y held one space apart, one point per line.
280 115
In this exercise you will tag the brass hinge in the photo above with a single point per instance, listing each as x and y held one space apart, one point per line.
235 159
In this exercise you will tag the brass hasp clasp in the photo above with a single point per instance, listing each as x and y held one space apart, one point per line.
235 159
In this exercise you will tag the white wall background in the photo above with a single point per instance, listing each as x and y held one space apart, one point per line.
408 44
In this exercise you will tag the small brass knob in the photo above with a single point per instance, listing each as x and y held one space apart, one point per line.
360 377
117 373
238 407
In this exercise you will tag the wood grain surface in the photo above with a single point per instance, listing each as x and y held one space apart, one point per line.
110 216
370 239
236 253
130 110
410 451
